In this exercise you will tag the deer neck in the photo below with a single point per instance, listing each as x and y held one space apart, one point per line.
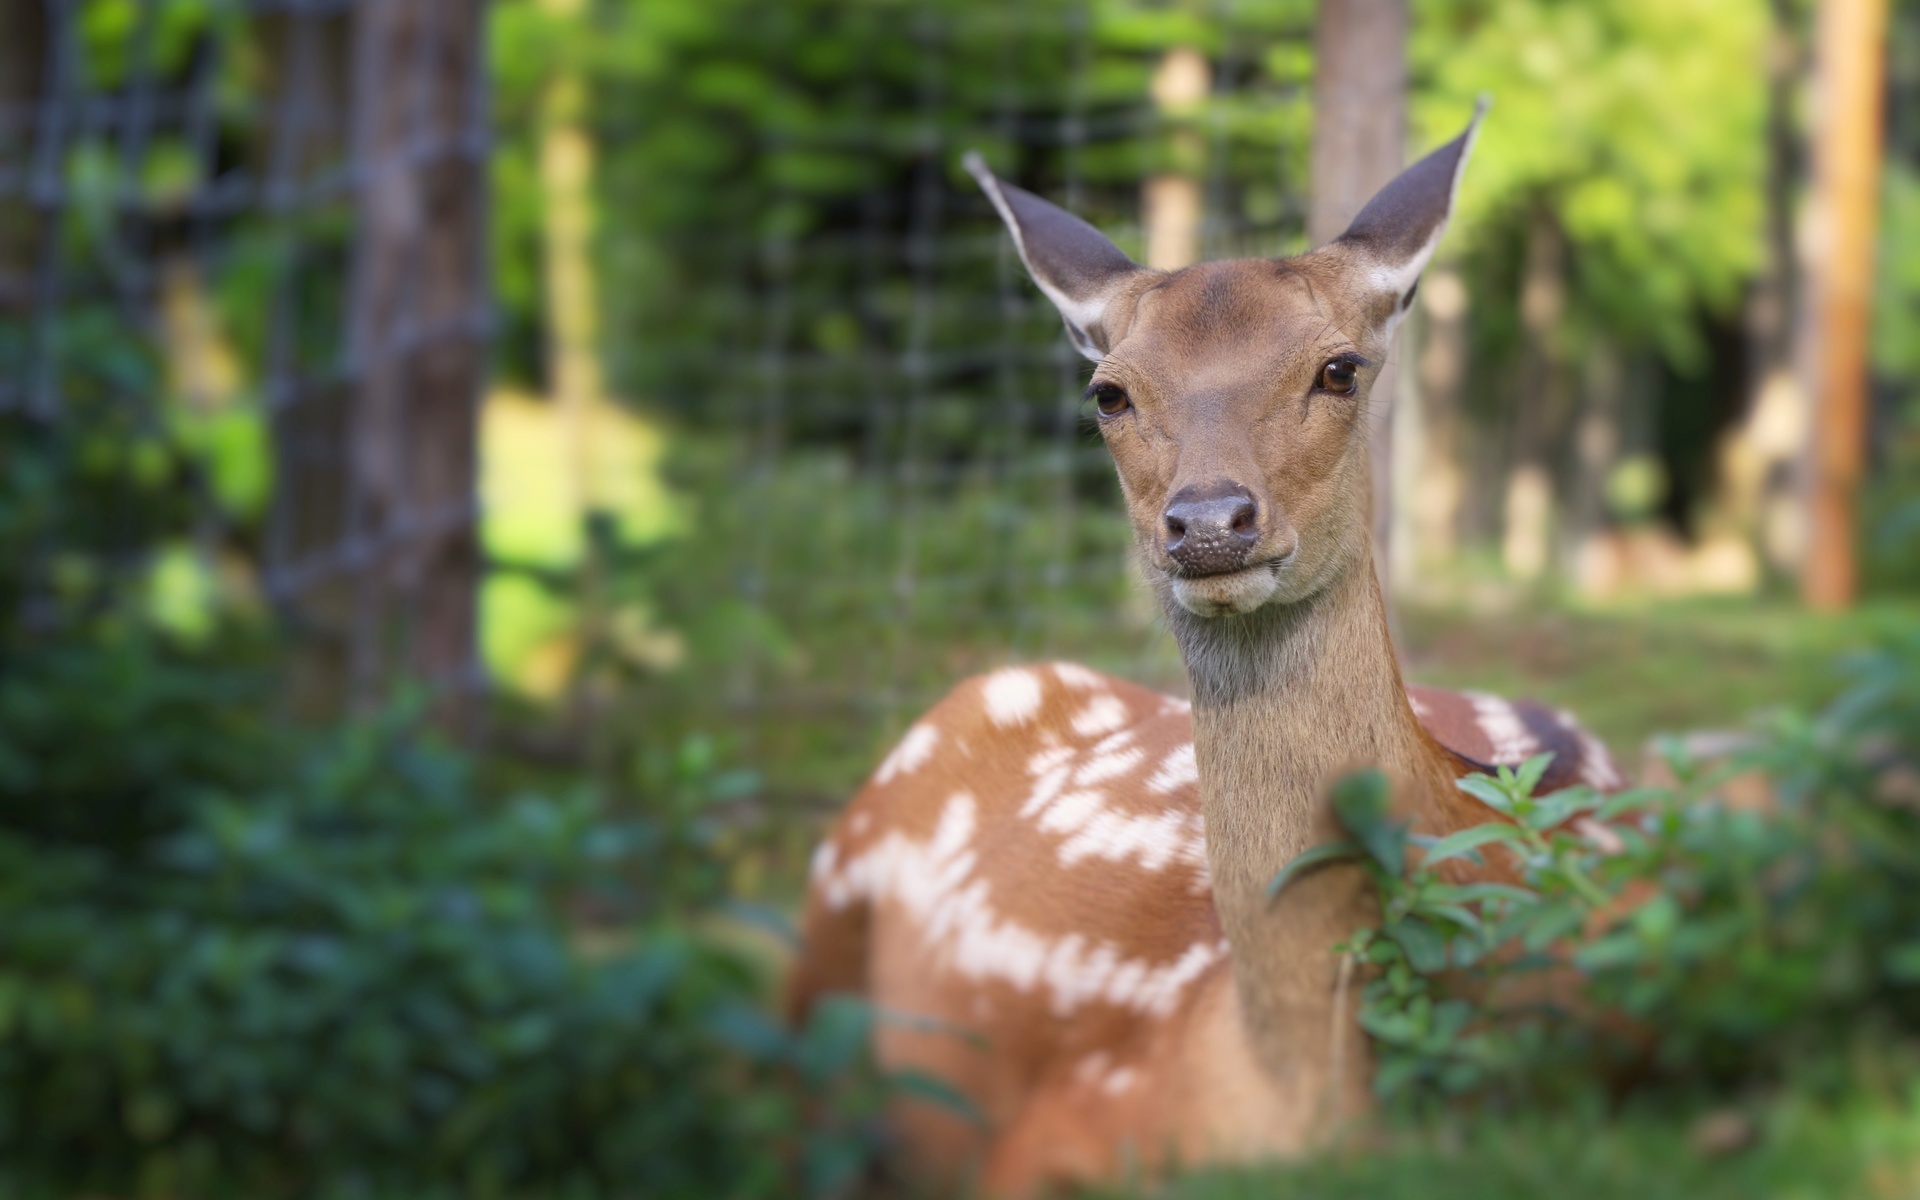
1285 700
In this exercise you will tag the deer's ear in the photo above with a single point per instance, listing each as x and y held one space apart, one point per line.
1395 235
1075 265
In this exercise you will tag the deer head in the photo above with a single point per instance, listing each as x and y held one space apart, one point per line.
1233 395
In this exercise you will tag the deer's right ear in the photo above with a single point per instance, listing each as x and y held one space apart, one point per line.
1075 265
1396 233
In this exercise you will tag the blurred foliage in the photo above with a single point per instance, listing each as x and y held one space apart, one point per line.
754 156
1718 945
869 409
356 972
242 959
1638 124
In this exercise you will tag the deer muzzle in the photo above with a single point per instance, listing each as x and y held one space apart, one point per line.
1214 532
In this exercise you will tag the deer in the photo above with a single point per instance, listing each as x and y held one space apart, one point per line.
1054 887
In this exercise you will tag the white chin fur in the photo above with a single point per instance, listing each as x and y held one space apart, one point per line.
1225 595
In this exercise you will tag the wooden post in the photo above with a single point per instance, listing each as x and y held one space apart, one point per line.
1359 144
1851 45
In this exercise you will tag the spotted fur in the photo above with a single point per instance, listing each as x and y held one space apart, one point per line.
1023 884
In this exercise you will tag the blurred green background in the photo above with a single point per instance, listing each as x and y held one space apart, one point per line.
479 485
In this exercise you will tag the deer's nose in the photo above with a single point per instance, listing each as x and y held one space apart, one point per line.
1212 533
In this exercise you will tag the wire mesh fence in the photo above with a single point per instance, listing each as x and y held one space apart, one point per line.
245 309
247 269
904 483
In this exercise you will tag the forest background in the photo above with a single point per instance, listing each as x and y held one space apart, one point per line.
727 435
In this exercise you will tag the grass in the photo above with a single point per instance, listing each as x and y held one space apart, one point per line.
1633 672
1866 1148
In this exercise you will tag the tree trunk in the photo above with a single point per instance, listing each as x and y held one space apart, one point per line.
1433 505
23 54
1543 401
1851 45
1596 448
1359 144
1757 465
1170 200
416 326
24 126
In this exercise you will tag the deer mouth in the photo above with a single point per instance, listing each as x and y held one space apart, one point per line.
1228 593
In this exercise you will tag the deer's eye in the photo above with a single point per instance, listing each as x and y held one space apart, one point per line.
1340 376
1110 399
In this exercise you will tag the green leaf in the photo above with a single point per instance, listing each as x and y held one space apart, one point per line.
1531 772
1465 842
937 1091
1550 924
1392 1076
1472 893
1425 946
1452 912
1903 963
1657 918
1633 800
1361 801
837 1032
1617 949
1318 856
1562 806
1488 791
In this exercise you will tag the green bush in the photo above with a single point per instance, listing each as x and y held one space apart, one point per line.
233 961
1740 947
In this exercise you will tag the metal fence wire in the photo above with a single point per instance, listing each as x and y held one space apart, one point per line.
232 226
911 488
236 226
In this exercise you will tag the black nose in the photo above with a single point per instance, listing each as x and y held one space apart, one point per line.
1212 531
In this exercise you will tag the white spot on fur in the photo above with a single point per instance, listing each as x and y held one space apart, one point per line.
1597 769
1154 843
1418 706
935 881
859 823
1013 696
1091 1067
1096 1070
910 755
1071 812
1076 676
1177 770
1089 827
1042 761
1103 714
1512 744
1101 767
1044 790
825 858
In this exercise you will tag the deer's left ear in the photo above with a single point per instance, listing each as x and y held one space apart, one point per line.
1085 275
1395 235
